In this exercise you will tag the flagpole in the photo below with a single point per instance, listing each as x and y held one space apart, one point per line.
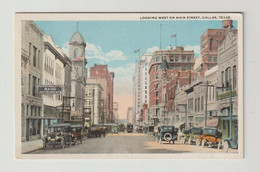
160 36
175 40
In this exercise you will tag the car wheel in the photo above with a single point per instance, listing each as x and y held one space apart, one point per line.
189 141
225 146
197 142
62 144
202 143
219 145
44 145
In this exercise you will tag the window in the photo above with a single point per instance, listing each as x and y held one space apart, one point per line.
34 56
157 102
227 77
183 68
157 93
201 103
210 58
29 84
157 59
188 67
189 58
171 58
215 58
157 76
234 77
222 78
76 53
183 58
176 67
164 57
176 58
171 67
195 105
198 104
157 86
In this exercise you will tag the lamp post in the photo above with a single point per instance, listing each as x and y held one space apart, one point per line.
186 115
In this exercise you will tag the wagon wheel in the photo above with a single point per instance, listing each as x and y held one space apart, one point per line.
62 144
189 141
197 142
202 143
225 146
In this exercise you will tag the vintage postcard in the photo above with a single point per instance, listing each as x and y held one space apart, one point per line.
129 85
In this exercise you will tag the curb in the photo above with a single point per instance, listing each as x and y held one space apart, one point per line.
32 150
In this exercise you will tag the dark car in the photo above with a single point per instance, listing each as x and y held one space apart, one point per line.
166 133
139 129
129 128
190 135
58 134
77 134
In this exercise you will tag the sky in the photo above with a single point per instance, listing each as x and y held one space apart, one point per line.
113 43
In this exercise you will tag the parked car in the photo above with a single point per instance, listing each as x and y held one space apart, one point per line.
58 134
77 134
166 133
210 136
129 128
139 129
191 135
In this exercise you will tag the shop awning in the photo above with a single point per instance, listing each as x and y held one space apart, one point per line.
51 112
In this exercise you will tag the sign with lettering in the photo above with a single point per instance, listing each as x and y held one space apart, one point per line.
50 89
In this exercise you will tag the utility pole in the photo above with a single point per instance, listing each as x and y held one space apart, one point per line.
206 105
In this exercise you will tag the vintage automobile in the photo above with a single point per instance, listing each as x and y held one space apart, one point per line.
96 131
190 136
114 129
77 134
58 134
139 129
210 136
121 128
129 128
166 133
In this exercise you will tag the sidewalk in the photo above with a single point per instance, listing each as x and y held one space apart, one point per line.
31 146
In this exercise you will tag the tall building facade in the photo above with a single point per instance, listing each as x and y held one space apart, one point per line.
93 102
167 69
31 78
210 41
130 115
141 87
54 73
78 75
100 72
115 111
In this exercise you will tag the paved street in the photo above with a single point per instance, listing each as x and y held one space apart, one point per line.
126 143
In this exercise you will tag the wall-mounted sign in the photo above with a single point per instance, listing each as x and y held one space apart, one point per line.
50 89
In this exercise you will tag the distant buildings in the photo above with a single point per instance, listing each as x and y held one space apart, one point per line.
100 74
115 112
141 86
130 118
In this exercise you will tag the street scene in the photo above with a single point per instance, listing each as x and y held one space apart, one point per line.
148 86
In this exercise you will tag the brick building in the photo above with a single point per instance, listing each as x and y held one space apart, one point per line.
167 68
210 42
101 72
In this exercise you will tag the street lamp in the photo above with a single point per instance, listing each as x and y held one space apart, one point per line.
186 115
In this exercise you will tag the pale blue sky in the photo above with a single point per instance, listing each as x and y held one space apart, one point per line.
114 42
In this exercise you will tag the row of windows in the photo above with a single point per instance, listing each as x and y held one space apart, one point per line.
227 76
174 58
49 65
33 85
199 104
33 111
212 59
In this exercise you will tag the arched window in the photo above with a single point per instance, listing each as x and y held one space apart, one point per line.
227 77
234 77
76 53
